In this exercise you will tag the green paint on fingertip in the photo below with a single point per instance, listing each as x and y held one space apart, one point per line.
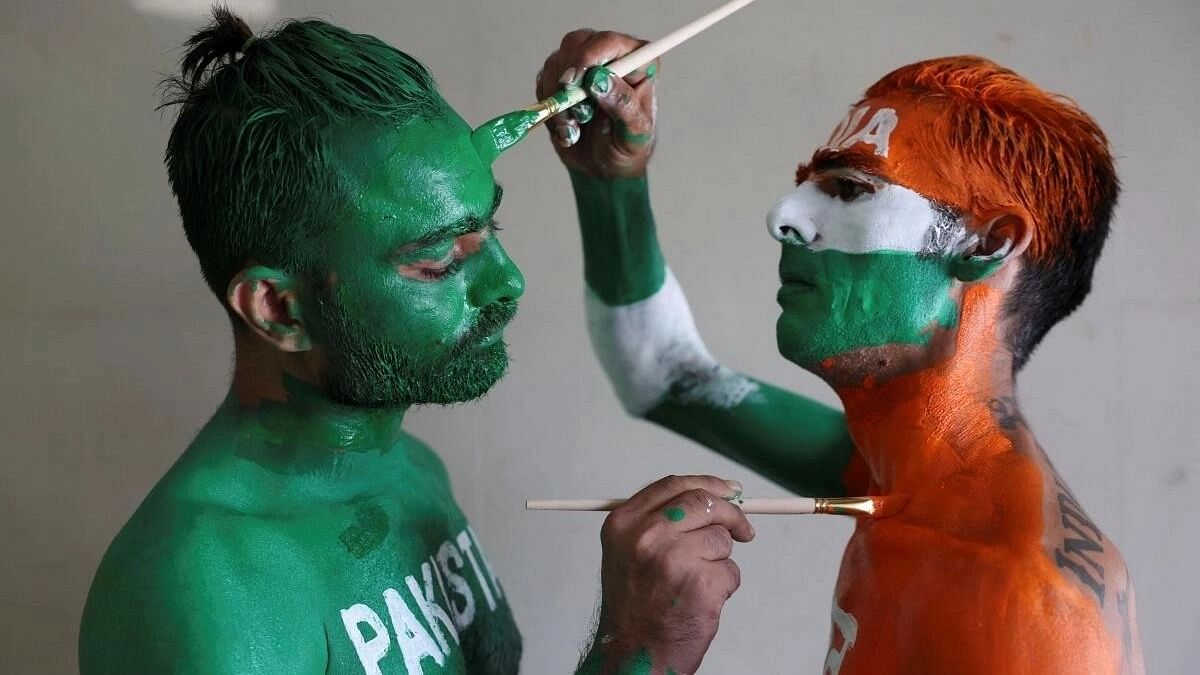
675 514
500 134
651 70
598 80
583 112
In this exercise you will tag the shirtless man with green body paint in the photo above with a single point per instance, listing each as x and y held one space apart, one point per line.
343 216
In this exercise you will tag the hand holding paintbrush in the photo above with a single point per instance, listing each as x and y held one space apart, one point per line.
496 136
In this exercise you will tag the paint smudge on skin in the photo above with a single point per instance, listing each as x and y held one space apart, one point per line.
675 514
628 136
367 532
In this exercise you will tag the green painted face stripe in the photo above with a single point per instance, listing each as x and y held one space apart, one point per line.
847 301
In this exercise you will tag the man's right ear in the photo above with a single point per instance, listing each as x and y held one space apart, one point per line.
266 300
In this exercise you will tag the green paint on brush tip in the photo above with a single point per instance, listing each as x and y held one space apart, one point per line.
562 96
674 514
501 133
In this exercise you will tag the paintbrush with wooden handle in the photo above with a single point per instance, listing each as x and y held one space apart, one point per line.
499 134
861 507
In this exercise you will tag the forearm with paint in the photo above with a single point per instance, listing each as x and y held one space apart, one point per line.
602 661
638 318
622 262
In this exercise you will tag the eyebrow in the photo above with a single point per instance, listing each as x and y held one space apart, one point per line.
460 227
827 160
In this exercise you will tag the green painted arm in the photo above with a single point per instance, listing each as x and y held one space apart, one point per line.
794 441
622 262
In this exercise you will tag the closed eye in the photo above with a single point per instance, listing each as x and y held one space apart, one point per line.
845 188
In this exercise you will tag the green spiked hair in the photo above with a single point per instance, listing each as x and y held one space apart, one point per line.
248 157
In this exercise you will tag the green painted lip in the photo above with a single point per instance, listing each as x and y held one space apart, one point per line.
791 293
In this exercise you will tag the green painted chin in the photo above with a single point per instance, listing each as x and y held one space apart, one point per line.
365 369
834 303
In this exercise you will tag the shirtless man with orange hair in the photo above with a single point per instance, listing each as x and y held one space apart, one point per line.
953 217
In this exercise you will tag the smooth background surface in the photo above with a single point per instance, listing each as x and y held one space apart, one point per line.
113 353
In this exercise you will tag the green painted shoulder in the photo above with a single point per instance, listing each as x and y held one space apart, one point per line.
426 460
192 588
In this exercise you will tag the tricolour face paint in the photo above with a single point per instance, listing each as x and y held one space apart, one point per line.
862 266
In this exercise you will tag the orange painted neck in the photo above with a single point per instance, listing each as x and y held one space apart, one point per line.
918 427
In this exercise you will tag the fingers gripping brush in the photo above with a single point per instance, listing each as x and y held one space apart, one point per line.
497 135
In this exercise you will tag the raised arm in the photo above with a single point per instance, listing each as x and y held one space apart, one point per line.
640 324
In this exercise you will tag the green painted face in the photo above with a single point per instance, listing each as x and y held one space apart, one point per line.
418 288
865 263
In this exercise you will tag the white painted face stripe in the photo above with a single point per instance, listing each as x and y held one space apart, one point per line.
893 218
651 347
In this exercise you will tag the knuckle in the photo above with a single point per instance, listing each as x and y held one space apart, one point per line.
720 542
674 484
735 577
612 527
575 36
700 498
644 545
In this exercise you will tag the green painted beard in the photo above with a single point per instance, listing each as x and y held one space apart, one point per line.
835 302
368 370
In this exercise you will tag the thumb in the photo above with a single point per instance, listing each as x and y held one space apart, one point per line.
633 128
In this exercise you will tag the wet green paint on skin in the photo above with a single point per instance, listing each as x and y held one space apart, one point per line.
500 134
651 70
675 514
399 336
583 112
622 130
622 261
858 301
597 80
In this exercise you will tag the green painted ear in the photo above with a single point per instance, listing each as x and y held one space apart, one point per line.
1005 236
268 302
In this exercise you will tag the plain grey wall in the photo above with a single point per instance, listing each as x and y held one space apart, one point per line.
114 353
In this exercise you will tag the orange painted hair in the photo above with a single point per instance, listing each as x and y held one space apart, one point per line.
1036 149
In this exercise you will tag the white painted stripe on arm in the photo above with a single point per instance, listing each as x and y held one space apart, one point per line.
651 349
